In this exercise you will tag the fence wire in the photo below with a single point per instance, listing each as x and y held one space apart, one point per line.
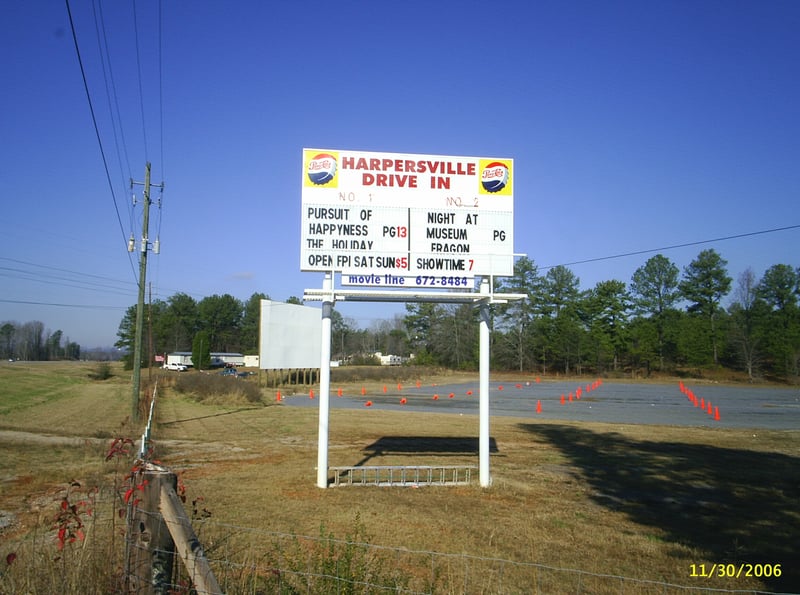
248 560
251 560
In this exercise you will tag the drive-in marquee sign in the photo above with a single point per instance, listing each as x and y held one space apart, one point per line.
406 220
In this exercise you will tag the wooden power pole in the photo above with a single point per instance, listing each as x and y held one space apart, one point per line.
138 343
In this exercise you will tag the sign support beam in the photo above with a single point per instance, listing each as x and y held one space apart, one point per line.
483 388
325 382
483 299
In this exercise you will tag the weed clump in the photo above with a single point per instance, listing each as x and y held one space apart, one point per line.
383 373
101 372
214 388
323 565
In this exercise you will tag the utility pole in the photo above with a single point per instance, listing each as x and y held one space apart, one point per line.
137 346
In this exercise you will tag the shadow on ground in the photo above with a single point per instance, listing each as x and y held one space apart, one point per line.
739 506
424 446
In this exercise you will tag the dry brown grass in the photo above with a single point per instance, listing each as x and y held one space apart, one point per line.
637 501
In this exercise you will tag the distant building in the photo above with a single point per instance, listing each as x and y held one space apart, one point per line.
180 357
218 359
389 360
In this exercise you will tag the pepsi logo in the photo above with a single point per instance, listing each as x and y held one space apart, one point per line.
494 176
321 168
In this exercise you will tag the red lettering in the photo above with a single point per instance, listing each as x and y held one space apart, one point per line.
389 180
459 168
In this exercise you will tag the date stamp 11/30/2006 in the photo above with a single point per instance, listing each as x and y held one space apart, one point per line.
742 569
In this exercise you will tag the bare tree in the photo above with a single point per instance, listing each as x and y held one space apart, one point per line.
743 320
30 340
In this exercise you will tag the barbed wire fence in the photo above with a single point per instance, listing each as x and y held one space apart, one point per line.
251 560
243 559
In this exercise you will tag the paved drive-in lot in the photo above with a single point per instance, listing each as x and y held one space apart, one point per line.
628 403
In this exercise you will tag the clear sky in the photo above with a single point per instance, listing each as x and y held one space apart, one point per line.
633 125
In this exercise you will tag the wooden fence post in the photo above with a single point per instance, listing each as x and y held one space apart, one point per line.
151 555
157 523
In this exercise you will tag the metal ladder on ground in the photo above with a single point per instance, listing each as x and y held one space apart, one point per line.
404 475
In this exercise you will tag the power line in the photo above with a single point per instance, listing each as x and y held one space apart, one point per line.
76 280
88 306
161 93
60 270
51 280
160 114
672 247
94 123
111 94
122 285
139 70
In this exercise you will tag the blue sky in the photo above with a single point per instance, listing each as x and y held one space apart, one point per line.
633 126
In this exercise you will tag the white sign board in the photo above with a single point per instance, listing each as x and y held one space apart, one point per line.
389 216
290 336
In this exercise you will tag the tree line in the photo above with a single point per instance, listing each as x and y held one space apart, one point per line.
663 319
224 322
30 341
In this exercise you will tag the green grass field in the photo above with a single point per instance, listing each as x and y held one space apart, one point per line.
642 502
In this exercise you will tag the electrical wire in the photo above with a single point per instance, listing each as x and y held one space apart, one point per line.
86 280
88 306
60 270
157 264
139 70
114 110
124 288
96 129
161 91
51 280
672 247
111 90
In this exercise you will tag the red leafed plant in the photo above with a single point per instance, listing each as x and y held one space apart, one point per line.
120 447
68 521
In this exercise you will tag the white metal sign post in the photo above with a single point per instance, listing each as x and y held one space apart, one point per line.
324 384
414 228
483 390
